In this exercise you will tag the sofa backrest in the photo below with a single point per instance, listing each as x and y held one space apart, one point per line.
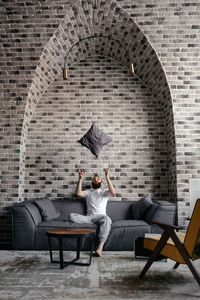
116 210
119 210
67 206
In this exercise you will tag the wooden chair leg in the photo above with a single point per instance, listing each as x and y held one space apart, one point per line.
185 256
155 253
176 265
194 270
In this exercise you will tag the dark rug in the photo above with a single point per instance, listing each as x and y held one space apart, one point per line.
30 275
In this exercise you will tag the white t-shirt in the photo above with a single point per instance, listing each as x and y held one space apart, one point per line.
96 201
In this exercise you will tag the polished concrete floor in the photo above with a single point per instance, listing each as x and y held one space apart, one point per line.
29 275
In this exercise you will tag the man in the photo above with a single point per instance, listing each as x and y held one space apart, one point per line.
96 200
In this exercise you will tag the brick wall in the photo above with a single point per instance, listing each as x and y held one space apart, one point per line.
173 30
24 32
36 36
102 91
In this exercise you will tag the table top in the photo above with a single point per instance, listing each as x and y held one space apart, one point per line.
70 231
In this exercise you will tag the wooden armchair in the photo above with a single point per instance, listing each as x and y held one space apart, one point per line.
183 248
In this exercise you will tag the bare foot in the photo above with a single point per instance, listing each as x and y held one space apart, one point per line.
99 252
99 249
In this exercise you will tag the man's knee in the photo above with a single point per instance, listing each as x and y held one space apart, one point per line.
106 219
77 218
72 217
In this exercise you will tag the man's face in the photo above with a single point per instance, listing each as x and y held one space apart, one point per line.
96 182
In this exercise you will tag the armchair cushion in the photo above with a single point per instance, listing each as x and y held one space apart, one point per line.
169 250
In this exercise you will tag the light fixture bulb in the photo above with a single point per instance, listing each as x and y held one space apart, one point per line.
64 73
131 69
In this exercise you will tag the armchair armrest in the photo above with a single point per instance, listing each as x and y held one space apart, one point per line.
165 225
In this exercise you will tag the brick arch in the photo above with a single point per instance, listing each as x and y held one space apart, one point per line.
95 45
107 19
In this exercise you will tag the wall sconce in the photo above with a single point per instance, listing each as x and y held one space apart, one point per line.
64 73
131 69
131 66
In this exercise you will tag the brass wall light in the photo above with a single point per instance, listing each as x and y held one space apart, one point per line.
131 69
65 71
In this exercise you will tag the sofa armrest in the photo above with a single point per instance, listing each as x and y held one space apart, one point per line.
25 217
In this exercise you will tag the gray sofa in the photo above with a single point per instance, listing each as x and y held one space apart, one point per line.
130 219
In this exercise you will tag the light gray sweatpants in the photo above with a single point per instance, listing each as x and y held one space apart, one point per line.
103 221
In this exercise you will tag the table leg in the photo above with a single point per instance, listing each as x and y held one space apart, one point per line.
50 249
91 251
79 242
73 262
61 253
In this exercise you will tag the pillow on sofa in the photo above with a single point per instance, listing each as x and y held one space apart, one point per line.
140 207
148 217
47 209
165 214
95 139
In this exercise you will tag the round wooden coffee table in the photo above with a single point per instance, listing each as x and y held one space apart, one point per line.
77 233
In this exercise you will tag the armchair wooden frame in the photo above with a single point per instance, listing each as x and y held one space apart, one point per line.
183 248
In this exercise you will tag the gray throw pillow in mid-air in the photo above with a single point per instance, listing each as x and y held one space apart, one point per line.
95 139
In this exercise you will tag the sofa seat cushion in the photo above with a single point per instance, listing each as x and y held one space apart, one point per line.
41 239
129 223
123 234
63 224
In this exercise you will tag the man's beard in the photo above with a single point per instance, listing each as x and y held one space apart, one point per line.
96 185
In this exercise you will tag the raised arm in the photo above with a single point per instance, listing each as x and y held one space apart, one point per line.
110 185
79 191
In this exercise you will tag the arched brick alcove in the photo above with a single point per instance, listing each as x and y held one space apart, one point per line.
107 19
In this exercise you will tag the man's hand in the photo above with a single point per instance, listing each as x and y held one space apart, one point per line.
110 185
81 173
107 172
79 191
